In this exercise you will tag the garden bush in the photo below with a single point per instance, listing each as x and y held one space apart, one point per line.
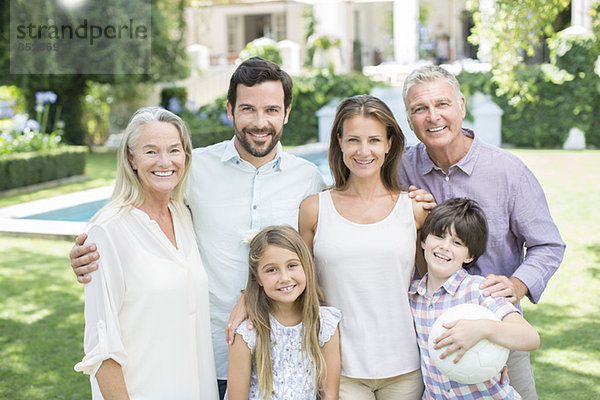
209 124
313 91
173 98
554 98
203 137
23 169
31 150
260 48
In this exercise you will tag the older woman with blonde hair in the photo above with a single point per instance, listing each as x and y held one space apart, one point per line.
363 234
147 331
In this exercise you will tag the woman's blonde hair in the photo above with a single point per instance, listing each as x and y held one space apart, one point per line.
128 189
369 107
259 306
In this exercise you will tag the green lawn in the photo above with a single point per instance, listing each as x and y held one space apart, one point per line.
41 317
567 365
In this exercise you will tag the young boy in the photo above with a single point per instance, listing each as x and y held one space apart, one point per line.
453 236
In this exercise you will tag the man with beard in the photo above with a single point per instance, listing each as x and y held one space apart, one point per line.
236 188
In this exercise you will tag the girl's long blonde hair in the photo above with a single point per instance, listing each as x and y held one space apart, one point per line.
259 306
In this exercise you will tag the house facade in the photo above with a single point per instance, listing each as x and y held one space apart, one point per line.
392 34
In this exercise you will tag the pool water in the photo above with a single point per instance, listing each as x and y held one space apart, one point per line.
79 213
317 154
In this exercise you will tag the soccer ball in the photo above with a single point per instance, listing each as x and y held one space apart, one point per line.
481 362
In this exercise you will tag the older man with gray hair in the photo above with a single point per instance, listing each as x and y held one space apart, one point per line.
524 247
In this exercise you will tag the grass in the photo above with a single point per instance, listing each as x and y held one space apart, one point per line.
567 365
41 317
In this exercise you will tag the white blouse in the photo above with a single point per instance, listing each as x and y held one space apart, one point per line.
292 373
147 308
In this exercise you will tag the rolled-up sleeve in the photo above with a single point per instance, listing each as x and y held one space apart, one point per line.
532 223
103 299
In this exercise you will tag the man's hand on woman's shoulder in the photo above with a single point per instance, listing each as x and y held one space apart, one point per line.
83 259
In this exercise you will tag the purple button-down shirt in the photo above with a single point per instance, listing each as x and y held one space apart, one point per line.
514 204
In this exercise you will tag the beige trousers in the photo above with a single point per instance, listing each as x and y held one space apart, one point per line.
407 386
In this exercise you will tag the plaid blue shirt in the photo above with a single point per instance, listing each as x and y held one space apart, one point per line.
460 288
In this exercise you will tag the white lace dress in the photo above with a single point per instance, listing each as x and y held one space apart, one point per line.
292 377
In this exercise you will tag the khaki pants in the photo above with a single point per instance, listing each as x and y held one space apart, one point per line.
407 386
520 374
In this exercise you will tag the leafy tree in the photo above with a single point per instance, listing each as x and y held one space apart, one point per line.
512 30
595 14
167 59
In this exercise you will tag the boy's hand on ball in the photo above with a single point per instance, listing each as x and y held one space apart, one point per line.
460 336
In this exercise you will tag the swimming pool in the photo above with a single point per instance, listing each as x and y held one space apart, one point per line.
81 212
317 154
61 217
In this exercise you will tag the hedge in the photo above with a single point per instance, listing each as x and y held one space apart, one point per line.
313 91
173 98
24 169
206 137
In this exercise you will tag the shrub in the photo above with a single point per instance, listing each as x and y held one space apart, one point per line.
313 91
23 169
206 137
558 96
209 124
325 42
173 99
262 48
28 141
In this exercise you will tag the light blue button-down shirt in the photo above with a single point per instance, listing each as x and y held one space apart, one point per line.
230 200
514 204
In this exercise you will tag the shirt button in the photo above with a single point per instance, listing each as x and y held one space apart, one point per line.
254 207
447 178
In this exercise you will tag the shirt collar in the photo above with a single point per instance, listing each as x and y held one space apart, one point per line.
466 164
230 153
450 286
420 287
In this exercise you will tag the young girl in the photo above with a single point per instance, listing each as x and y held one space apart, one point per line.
293 352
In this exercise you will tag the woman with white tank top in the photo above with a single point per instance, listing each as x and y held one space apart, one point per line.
363 236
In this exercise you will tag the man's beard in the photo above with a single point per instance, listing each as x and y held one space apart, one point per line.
249 145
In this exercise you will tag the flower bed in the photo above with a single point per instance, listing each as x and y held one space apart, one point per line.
28 154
